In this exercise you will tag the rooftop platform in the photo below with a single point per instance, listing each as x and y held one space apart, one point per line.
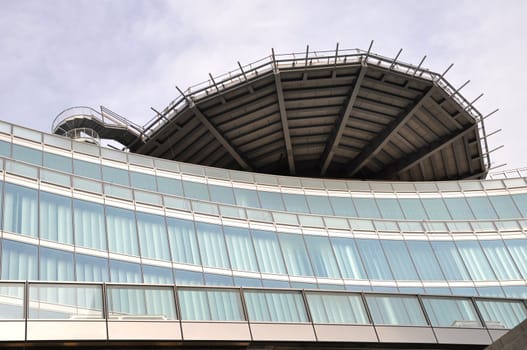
331 114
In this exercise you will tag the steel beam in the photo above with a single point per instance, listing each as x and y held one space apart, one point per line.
383 138
340 125
218 136
424 152
283 117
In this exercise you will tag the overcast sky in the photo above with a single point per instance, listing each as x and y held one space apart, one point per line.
129 55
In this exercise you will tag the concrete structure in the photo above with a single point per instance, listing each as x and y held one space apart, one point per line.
104 248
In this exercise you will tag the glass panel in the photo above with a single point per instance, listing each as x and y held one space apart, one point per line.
475 261
450 312
450 261
374 259
412 208
390 208
58 162
153 236
343 206
482 208
212 245
319 205
19 261
11 301
125 272
295 254
221 194
88 223
187 278
183 242
196 190
395 310
87 169
505 207
169 186
459 208
425 260
348 258
521 202
399 260
20 211
122 232
56 222
337 308
210 305
435 208
141 303
212 279
115 175
246 198
295 203
91 268
322 256
26 154
56 265
144 181
501 261
271 200
502 314
5 149
267 306
65 302
518 250
157 275
240 247
268 252
366 208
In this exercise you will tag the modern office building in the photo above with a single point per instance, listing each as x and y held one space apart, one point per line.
315 200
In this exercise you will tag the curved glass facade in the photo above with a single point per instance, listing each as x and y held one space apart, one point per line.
78 212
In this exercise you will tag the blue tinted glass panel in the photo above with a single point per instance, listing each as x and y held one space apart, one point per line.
56 265
319 205
390 208
366 208
475 261
425 260
212 245
125 272
143 181
436 209
5 148
26 154
482 208
268 252
115 175
295 254
88 223
322 256
374 260
20 210
399 259
91 268
413 209
343 206
240 247
183 241
265 306
271 200
502 314
445 312
395 310
518 251
19 261
153 236
458 208
122 233
221 194
58 162
336 308
169 186
348 258
246 198
501 261
196 190
212 279
187 278
505 207
56 222
157 275
153 303
87 169
295 203
210 305
521 202
450 261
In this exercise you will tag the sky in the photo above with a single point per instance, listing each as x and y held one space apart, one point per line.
129 55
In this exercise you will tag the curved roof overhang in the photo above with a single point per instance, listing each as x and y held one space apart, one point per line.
347 114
